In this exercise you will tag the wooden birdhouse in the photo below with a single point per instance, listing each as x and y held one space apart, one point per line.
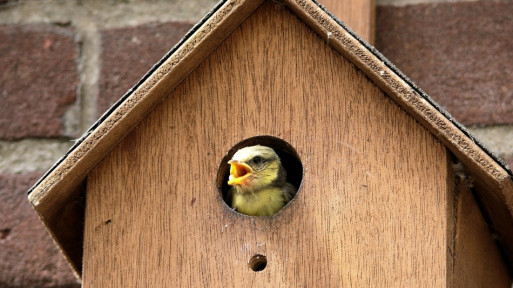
391 190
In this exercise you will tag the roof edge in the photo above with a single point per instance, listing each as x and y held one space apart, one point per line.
418 89
111 109
232 12
403 91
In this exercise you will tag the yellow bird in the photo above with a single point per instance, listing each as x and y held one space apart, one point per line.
259 182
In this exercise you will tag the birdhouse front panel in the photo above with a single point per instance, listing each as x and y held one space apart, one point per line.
374 197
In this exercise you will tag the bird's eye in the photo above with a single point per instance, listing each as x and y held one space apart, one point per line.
258 160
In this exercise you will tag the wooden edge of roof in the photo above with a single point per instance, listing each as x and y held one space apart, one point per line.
53 193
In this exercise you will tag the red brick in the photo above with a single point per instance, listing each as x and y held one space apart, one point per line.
128 53
39 80
29 257
461 54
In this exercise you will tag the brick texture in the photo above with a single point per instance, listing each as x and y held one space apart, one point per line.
28 255
128 53
39 79
461 54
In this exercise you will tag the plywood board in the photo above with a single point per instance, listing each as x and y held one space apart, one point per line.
371 211
477 259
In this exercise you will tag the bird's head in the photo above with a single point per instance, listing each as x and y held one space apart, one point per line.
255 167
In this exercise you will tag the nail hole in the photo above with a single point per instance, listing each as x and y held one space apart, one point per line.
4 233
258 262
288 156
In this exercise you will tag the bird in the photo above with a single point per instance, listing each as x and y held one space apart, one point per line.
258 182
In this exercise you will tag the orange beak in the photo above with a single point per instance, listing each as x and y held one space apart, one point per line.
238 173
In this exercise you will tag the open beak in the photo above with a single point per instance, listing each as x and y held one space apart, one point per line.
238 173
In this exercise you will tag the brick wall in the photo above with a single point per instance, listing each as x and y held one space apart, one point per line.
63 63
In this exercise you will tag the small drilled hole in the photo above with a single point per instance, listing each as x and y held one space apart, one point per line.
4 233
288 156
258 262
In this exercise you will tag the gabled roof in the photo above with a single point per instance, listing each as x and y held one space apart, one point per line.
55 195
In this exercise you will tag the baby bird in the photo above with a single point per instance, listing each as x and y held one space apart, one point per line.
259 182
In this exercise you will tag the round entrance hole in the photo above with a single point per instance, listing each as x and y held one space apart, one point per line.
287 154
258 262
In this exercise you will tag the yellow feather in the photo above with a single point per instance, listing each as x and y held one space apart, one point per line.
265 202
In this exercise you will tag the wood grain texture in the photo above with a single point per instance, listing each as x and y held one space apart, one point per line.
477 259
371 211
358 15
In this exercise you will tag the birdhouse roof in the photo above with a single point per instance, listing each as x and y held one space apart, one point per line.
56 194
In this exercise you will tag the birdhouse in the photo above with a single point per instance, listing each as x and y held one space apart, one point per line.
390 189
